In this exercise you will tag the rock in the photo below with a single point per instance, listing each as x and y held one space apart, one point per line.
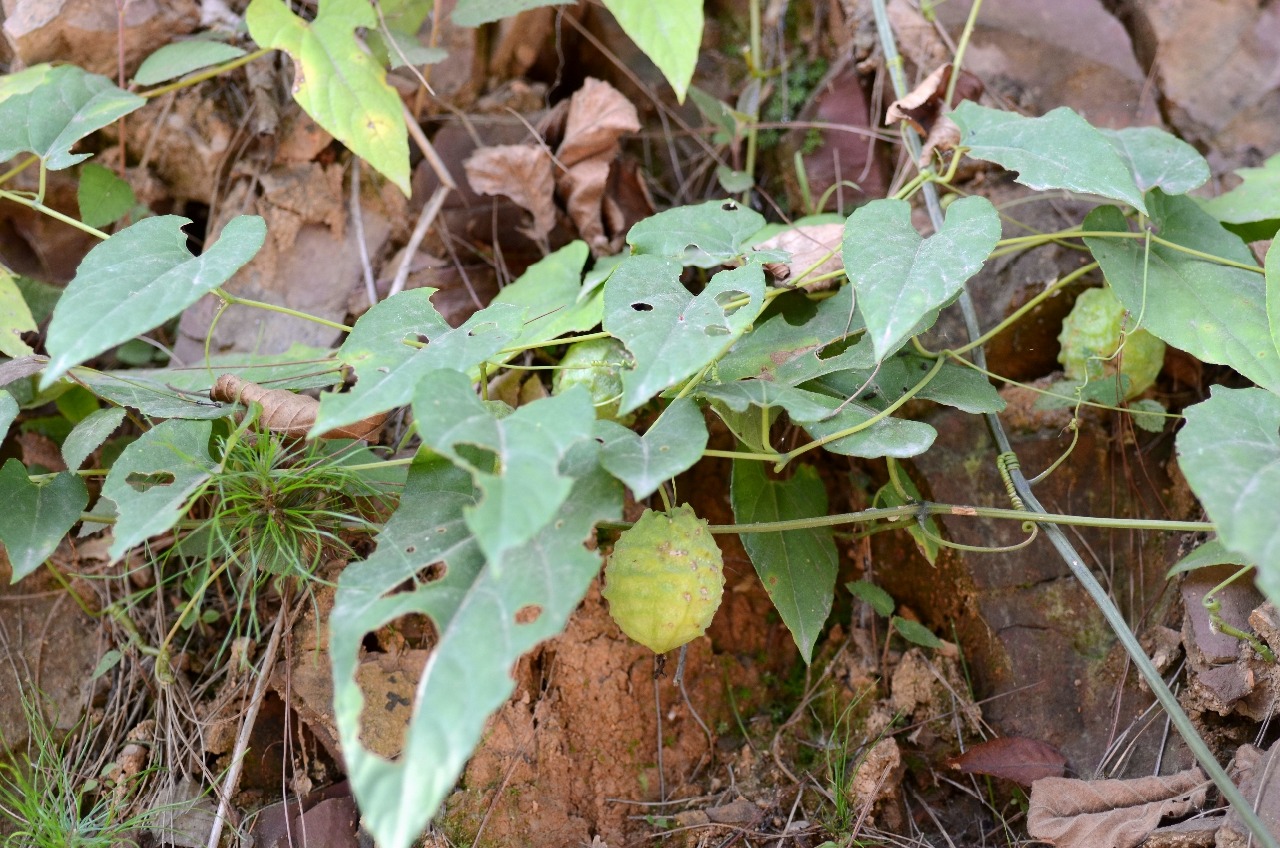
1214 67
86 31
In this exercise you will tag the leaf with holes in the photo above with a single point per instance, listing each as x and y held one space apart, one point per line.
486 614
673 444
387 369
45 110
669 33
900 277
1157 159
36 516
797 567
136 280
337 82
1215 312
515 460
1059 150
705 235
154 479
792 339
671 333
1229 451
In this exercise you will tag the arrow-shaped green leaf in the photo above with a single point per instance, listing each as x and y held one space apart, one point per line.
900 277
136 280
45 110
36 517
797 567
673 444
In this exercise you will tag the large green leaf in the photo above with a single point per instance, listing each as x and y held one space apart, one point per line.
1157 159
515 461
1057 150
1272 283
486 615
671 333
1229 451
136 280
388 370
551 294
705 235
1257 198
673 444
797 567
669 33
1214 312
473 13
337 82
154 478
901 277
15 317
45 110
183 57
36 517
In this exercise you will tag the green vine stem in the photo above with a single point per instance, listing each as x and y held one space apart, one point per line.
232 300
207 74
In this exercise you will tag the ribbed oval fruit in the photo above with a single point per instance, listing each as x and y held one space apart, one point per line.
596 364
1091 333
665 579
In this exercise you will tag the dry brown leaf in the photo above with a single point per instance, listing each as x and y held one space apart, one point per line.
923 104
287 413
1073 813
1015 758
815 251
583 190
598 116
521 172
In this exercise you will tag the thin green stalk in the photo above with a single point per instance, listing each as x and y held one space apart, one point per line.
32 203
210 73
1031 304
232 300
958 61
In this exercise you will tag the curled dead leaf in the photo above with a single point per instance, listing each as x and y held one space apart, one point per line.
1074 813
598 116
521 172
286 413
1015 758
923 105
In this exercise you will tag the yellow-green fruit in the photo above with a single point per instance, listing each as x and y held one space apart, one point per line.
596 364
1091 334
665 579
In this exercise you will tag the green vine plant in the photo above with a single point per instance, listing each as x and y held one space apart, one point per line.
489 538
